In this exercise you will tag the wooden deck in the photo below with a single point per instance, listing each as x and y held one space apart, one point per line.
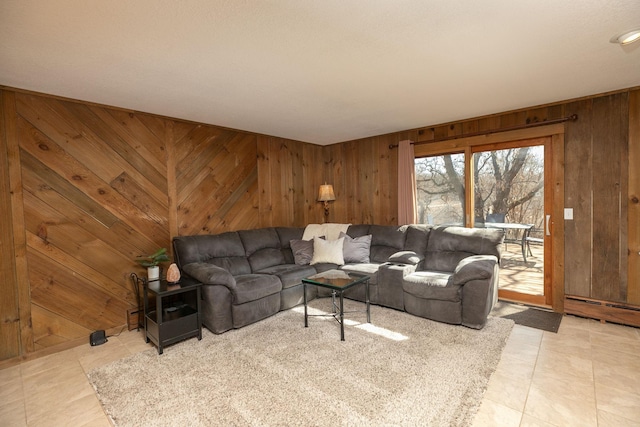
518 276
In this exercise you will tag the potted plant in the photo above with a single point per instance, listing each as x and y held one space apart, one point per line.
152 262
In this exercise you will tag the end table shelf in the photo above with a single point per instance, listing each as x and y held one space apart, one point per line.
176 315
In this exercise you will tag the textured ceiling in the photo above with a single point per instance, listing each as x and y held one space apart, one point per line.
319 71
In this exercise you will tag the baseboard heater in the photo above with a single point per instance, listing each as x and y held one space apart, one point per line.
605 311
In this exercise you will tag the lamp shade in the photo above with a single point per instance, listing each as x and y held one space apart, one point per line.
325 194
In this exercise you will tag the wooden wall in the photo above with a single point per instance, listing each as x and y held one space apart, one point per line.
84 189
290 174
597 171
602 183
364 174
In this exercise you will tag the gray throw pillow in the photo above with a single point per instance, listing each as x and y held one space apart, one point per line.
302 251
356 249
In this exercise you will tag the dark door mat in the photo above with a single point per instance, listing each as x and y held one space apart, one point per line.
532 317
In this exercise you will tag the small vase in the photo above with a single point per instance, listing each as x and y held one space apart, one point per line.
153 273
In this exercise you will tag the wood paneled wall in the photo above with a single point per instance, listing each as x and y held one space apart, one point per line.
602 243
597 171
86 188
364 174
290 173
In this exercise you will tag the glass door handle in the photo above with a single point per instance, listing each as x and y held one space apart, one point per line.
548 217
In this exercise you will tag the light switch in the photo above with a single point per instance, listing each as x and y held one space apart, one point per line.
568 213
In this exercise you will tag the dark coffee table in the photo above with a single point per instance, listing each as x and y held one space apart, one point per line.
338 281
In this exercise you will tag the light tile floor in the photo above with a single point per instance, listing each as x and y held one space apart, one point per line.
588 374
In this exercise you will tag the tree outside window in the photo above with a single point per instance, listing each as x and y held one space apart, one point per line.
507 182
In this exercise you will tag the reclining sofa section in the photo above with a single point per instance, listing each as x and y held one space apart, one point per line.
447 274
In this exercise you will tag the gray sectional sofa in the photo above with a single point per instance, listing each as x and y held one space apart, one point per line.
448 274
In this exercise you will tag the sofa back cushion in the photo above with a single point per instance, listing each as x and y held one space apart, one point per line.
417 238
358 230
447 246
224 250
262 248
386 240
286 235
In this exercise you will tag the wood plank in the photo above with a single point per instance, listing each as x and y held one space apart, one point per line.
172 190
458 145
51 329
118 235
131 129
56 230
17 216
622 285
216 184
297 184
9 310
52 180
336 165
264 184
68 296
609 138
204 144
57 125
554 261
51 154
388 182
122 290
210 160
633 219
137 195
62 126
222 215
91 123
578 196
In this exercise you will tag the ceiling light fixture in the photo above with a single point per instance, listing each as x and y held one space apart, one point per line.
626 37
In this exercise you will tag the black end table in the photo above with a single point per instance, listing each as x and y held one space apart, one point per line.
176 315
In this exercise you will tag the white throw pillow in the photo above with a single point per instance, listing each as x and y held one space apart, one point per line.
329 251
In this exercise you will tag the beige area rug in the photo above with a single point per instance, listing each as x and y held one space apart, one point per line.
398 370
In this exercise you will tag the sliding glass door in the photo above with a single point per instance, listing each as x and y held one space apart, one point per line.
509 194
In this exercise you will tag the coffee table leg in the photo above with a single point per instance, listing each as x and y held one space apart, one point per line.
341 318
304 297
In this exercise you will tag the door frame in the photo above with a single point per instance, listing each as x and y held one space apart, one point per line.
554 194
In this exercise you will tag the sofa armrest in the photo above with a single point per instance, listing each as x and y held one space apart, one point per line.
475 267
406 257
209 274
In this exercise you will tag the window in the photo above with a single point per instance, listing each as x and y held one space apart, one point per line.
440 189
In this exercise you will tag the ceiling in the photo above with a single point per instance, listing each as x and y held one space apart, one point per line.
319 71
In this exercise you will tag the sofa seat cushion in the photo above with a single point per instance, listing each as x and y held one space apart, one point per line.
290 274
436 285
370 269
251 287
